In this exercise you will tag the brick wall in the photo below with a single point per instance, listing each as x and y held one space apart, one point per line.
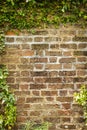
45 68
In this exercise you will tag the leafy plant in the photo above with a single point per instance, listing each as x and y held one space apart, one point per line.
7 102
81 99
34 126
2 42
26 14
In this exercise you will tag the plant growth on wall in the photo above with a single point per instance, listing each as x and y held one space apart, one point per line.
27 14
7 100
81 99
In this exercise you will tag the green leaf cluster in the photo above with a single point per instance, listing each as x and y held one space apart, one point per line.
34 126
2 42
7 102
81 99
28 14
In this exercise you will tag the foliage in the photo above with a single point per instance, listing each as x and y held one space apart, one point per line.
7 100
34 126
2 41
81 99
27 14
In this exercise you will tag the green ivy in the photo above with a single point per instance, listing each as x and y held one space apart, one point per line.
2 42
34 126
81 99
28 14
7 102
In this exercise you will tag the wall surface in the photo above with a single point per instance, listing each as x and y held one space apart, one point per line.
45 68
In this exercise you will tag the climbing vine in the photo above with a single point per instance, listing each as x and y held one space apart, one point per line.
7 100
27 14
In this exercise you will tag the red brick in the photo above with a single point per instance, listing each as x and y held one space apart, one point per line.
21 100
27 53
66 105
23 87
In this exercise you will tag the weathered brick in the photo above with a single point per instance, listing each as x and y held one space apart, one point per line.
38 39
67 60
54 46
37 73
27 53
25 73
81 59
24 39
67 53
34 100
82 45
39 52
14 73
11 67
38 66
79 79
67 73
39 46
25 66
51 39
37 86
25 46
68 126
67 66
80 53
40 32
66 105
10 80
62 92
26 80
81 39
23 87
81 66
36 93
38 60
66 119
35 113
49 93
53 59
64 99
53 74
81 72
53 66
67 38
9 39
21 100
68 46
13 46
53 53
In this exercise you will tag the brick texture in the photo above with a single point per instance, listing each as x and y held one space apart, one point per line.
45 69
